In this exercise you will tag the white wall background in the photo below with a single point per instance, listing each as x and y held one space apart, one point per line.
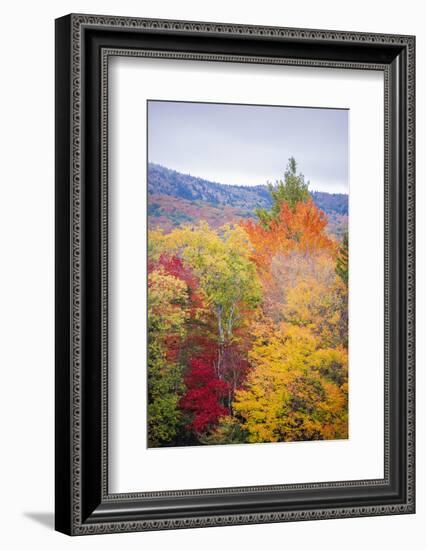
26 289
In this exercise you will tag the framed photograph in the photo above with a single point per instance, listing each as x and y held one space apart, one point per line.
234 274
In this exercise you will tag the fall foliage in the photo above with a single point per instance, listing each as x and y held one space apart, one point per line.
248 326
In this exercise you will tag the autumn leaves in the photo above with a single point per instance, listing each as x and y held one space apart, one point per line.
203 343
247 328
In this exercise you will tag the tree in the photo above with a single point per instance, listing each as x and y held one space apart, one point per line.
342 262
175 311
301 229
167 313
204 395
319 301
229 430
227 278
165 385
296 390
173 266
290 191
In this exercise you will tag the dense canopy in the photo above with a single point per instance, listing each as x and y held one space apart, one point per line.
248 327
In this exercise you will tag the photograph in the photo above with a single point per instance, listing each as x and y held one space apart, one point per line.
247 273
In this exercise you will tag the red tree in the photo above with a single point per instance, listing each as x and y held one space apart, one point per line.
209 393
205 392
172 265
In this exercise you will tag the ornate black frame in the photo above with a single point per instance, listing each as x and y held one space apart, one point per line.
83 46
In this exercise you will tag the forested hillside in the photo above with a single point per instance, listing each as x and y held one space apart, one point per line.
195 198
169 182
331 202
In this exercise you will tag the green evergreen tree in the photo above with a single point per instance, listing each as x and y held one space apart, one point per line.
292 190
342 263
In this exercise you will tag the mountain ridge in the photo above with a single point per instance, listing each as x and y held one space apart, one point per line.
166 181
177 198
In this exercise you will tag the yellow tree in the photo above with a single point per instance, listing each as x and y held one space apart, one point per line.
319 301
296 390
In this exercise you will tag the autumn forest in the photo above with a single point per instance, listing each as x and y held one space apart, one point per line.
248 323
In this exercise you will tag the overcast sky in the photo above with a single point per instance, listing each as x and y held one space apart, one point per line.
249 144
